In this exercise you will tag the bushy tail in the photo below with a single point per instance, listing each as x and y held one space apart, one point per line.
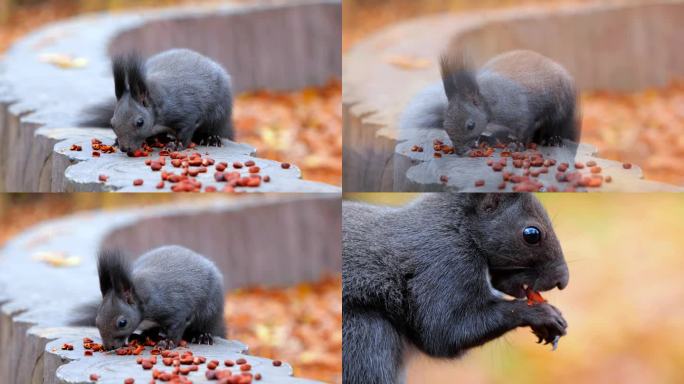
98 115
85 314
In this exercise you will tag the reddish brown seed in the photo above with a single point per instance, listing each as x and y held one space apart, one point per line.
193 172
479 183
579 165
88 353
254 169
257 376
130 380
245 367
267 178
138 182
212 365
146 364
249 163
237 165
608 179
444 179
148 161
253 182
210 375
596 169
221 167
210 188
96 154
176 163
497 167
139 360
277 363
155 165
229 363
167 361
502 185
591 163
287 165
103 178
160 185
437 155
626 165
240 361
94 377
75 147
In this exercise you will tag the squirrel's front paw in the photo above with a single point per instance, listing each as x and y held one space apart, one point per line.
211 141
547 323
203 338
166 344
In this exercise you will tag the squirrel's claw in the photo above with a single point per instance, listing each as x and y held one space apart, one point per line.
203 338
166 344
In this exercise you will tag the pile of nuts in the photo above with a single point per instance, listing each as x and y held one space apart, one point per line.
182 363
531 164
190 165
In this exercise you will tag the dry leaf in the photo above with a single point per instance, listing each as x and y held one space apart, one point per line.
408 62
57 259
64 61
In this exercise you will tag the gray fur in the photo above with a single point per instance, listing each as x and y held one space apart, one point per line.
173 287
419 275
177 92
529 94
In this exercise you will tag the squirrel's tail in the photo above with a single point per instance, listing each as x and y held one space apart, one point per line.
98 115
85 314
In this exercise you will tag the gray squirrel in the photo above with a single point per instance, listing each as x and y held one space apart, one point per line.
177 92
169 290
431 275
518 96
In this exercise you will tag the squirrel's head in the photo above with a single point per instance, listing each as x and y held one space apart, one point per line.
517 237
119 314
466 115
133 118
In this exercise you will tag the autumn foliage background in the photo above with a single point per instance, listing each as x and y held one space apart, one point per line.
623 302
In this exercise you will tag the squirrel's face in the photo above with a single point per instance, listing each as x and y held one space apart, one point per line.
522 250
116 320
465 119
132 122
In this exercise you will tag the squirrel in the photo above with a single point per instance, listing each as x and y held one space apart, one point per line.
431 275
169 290
178 92
516 97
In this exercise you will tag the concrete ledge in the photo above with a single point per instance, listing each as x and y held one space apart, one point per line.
582 37
281 45
36 299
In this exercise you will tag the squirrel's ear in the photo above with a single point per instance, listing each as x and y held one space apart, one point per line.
458 79
485 202
114 273
119 72
136 80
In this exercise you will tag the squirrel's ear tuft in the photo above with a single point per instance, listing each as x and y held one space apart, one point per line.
135 69
119 72
114 273
458 79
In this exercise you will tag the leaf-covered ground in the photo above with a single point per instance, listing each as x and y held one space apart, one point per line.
301 325
303 127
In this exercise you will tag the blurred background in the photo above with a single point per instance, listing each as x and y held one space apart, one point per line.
300 323
623 302
300 126
643 127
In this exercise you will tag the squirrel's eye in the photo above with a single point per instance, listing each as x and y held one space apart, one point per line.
532 235
121 323
139 123
470 125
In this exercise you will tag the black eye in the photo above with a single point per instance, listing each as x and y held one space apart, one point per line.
470 125
121 323
532 235
139 123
